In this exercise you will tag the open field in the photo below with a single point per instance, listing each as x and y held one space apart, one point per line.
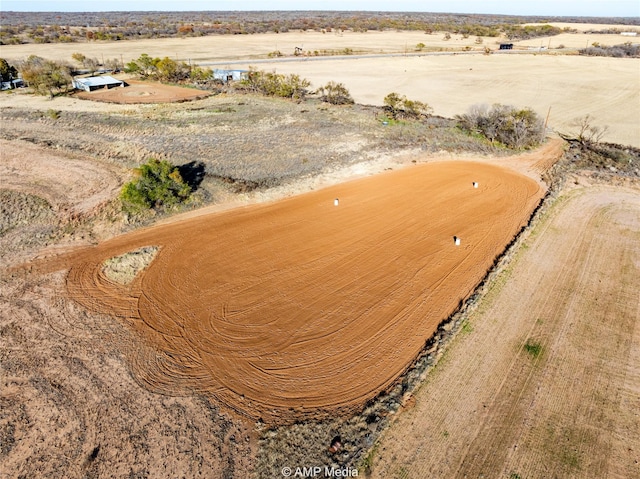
543 381
450 84
284 311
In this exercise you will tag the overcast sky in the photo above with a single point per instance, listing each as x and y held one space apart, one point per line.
594 8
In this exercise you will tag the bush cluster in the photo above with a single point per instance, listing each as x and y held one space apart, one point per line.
400 107
45 76
335 93
626 50
160 69
158 184
276 84
505 124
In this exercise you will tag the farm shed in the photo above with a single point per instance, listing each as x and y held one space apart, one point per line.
10 85
93 83
230 75
506 46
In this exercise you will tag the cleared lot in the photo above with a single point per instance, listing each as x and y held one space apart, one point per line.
300 307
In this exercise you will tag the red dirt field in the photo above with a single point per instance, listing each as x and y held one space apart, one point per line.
144 92
300 308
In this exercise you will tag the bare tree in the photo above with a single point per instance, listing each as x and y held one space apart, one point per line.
586 131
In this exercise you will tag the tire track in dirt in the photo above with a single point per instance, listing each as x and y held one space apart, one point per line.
493 408
69 182
301 308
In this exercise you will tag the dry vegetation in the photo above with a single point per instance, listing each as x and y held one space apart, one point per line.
245 140
72 27
124 268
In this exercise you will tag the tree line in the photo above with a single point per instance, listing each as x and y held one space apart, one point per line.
19 27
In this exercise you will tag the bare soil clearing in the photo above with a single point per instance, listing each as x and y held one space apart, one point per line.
144 92
298 308
567 404
74 184
69 407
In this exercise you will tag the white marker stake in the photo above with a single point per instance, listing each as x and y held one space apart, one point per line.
335 202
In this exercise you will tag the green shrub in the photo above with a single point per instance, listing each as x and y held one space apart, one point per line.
505 124
158 184
533 348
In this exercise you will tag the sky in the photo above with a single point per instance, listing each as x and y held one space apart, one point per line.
588 8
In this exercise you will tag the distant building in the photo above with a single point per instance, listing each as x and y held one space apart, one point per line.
629 34
94 83
10 85
230 75
506 46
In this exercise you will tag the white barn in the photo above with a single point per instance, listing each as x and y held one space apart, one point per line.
94 83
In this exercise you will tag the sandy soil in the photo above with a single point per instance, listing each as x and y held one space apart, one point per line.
493 408
278 310
143 92
69 408
71 183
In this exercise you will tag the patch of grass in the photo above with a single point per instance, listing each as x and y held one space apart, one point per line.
124 268
367 462
53 114
402 473
533 348
466 328
19 209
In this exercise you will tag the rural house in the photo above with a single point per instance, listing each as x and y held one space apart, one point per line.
94 83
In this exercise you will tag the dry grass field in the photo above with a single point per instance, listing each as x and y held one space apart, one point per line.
178 344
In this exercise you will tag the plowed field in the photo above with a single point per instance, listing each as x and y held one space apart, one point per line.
300 307
545 379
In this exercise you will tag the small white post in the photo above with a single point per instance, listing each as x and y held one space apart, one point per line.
335 202
475 184
456 241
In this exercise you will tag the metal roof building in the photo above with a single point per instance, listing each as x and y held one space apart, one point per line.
93 83
230 75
